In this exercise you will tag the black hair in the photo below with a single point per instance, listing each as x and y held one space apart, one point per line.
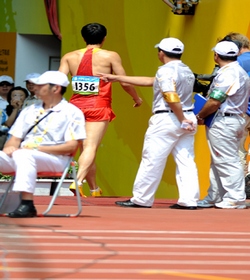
227 58
63 89
171 55
94 33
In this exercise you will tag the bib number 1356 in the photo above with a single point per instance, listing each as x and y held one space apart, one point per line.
85 85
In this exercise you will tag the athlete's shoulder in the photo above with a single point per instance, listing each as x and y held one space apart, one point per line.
108 53
73 54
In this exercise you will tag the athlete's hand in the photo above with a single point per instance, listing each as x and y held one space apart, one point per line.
138 102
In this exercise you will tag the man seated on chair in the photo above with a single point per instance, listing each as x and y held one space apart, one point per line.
45 145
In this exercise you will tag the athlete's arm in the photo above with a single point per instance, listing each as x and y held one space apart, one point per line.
64 65
117 68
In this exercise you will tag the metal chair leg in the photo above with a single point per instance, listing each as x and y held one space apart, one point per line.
5 194
56 193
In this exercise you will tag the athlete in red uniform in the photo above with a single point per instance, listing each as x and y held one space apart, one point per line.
96 107
93 96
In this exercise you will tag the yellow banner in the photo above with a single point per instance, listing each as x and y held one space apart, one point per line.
7 53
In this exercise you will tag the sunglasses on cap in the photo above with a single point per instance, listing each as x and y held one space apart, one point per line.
2 84
228 38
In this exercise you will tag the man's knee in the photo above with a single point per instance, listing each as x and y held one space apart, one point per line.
22 154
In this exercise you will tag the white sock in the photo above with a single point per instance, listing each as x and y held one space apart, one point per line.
95 190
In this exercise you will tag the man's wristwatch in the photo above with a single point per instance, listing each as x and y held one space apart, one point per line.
199 118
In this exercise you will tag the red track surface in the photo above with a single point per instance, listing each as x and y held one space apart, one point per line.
111 242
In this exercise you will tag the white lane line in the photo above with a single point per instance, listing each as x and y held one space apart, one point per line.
105 251
137 253
129 245
132 262
72 231
100 238
127 271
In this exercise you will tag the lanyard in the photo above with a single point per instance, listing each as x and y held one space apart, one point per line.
37 122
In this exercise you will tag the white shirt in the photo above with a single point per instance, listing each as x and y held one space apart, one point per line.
234 81
65 123
173 76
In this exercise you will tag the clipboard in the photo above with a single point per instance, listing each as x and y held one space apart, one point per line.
199 102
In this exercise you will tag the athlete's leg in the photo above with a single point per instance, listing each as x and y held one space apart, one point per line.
95 132
90 178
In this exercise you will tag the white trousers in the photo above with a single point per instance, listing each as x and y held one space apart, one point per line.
164 136
227 180
26 163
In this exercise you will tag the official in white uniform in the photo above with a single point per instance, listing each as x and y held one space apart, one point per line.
228 95
171 130
41 145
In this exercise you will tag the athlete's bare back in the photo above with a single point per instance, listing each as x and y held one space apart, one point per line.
103 61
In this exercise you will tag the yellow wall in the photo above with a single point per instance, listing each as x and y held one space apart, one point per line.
24 17
134 27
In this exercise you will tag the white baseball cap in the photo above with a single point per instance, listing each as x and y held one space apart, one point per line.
226 48
7 79
51 77
171 45
31 76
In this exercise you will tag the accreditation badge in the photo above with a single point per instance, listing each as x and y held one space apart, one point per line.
34 142
85 85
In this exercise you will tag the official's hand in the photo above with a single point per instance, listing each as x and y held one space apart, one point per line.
200 121
9 150
107 77
188 125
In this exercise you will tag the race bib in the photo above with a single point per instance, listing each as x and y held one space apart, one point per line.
85 85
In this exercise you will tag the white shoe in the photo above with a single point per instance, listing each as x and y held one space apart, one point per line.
230 205
205 204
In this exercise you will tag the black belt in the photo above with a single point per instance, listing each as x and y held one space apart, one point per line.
170 111
228 114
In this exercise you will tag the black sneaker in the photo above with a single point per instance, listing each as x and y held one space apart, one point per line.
129 203
247 185
24 211
178 206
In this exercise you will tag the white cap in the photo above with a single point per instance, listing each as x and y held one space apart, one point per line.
171 45
51 77
31 76
7 79
226 48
